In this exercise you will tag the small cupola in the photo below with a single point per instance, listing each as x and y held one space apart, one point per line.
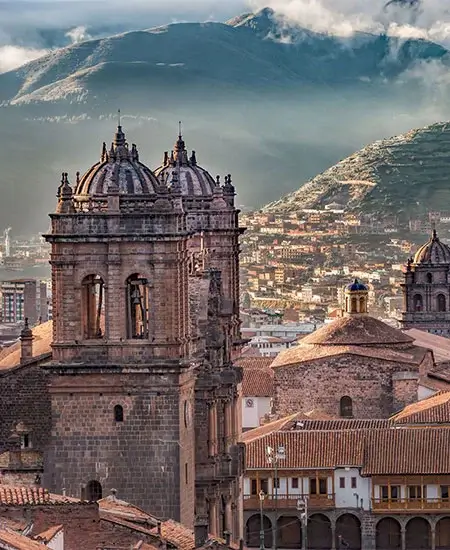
356 298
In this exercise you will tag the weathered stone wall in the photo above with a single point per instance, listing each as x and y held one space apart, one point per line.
24 398
320 384
142 457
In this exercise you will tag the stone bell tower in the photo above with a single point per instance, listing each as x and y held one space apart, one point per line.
122 387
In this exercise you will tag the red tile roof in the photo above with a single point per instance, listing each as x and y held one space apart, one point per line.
357 330
18 541
254 362
408 451
384 451
49 534
24 496
302 353
434 410
176 534
309 450
122 509
257 383
43 337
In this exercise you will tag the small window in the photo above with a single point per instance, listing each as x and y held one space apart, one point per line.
323 486
391 492
353 482
417 302
253 487
186 473
276 482
395 492
25 441
295 482
346 407
118 413
384 492
445 492
415 492
313 486
429 278
342 483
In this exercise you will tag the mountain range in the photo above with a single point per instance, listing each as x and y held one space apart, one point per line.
274 103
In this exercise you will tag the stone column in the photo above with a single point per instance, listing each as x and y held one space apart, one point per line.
433 536
403 537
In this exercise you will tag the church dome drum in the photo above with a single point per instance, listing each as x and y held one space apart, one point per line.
433 252
192 180
120 170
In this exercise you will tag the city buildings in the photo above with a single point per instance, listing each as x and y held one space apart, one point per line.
24 298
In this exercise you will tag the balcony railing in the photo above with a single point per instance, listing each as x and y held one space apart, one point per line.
413 504
285 501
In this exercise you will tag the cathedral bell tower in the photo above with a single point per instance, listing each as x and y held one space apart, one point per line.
426 289
123 387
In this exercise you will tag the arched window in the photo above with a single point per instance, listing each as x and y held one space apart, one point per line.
429 278
441 302
118 413
417 302
137 307
346 407
93 491
362 305
93 307
354 303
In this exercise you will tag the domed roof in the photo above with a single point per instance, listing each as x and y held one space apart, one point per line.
119 169
433 252
192 180
356 331
357 286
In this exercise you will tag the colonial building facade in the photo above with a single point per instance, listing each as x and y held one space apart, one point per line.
142 392
351 484
426 289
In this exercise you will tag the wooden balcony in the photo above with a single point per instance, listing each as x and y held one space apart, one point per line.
406 505
288 502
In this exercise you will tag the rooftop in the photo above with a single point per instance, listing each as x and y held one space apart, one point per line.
257 382
43 337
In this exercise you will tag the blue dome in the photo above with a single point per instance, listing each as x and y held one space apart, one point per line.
356 286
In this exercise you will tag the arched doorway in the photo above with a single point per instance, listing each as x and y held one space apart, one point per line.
93 491
418 534
319 532
443 534
348 532
289 532
253 528
388 534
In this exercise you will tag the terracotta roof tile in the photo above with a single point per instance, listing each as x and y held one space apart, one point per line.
339 424
434 410
309 449
49 534
271 427
123 509
384 451
257 383
357 330
177 534
302 353
43 337
438 344
23 496
18 541
408 451
254 362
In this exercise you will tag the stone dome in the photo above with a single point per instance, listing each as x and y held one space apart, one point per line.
357 286
433 252
118 169
179 167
